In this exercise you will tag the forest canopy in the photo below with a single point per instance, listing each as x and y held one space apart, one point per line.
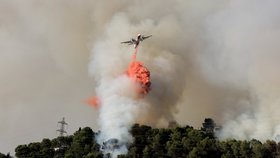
173 142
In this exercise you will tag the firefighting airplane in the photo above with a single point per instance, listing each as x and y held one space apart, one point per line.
136 41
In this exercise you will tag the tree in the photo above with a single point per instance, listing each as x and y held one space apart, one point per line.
151 142
225 149
245 149
259 151
82 143
206 148
94 155
208 126
271 147
235 147
140 134
147 152
5 156
34 149
174 145
159 142
22 151
2 155
191 139
46 149
175 149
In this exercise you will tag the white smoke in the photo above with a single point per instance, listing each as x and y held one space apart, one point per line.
119 106
118 112
246 56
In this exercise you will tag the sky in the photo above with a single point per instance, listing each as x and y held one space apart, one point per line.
215 59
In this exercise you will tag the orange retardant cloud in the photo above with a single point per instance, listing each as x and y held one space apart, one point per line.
138 73
93 101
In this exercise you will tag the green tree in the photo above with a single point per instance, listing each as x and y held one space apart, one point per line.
22 151
235 146
270 147
159 142
35 149
259 151
82 143
140 134
206 148
225 149
149 142
245 149
174 145
147 152
94 155
191 138
46 149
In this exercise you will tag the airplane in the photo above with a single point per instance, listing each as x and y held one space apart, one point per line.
136 41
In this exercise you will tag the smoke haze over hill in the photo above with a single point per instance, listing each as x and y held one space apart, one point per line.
214 59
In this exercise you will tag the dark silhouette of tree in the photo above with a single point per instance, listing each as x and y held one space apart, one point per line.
83 141
22 151
159 140
5 156
271 148
2 155
208 125
147 152
140 134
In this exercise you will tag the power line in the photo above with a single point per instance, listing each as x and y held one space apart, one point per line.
61 130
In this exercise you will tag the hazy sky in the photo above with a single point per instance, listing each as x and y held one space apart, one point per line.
44 76
215 59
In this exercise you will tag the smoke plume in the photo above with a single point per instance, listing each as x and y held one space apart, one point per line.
119 101
214 59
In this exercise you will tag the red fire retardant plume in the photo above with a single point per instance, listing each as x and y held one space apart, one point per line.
93 101
137 72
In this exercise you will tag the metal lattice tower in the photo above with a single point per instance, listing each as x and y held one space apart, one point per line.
61 130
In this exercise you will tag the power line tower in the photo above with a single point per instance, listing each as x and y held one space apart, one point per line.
61 130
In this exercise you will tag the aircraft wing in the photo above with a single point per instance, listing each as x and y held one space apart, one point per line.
145 37
63 122
128 42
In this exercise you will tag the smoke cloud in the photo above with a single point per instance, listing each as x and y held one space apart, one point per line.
214 59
